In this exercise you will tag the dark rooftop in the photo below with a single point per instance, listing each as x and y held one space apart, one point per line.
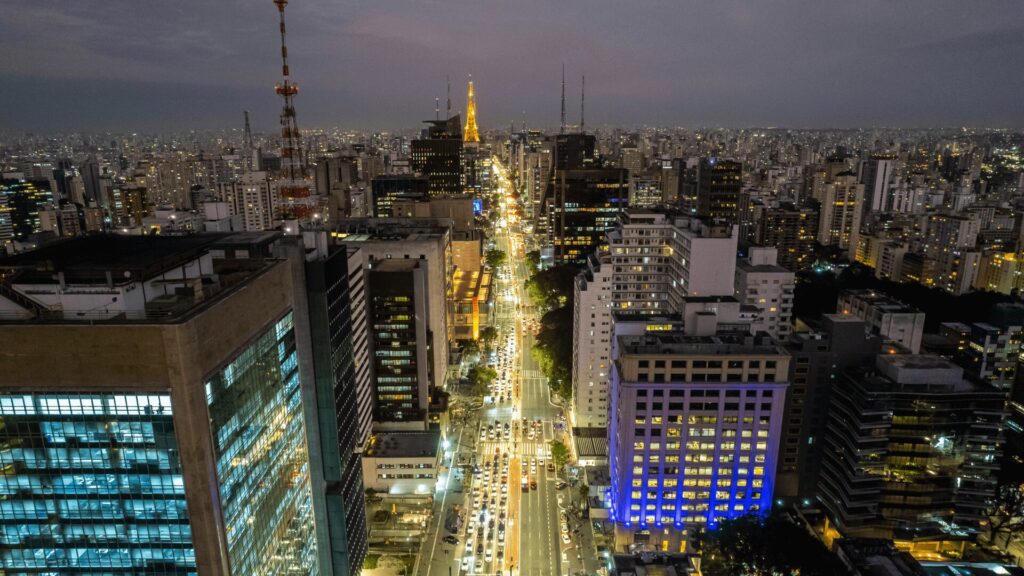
91 257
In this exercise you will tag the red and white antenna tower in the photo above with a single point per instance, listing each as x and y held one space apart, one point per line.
297 201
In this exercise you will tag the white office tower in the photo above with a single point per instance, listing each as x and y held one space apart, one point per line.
592 322
648 265
761 282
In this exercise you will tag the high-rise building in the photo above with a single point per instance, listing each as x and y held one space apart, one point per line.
339 342
761 282
171 436
877 174
912 449
397 303
988 352
438 155
20 203
694 431
819 357
254 197
586 203
719 185
428 240
841 213
792 230
391 187
648 266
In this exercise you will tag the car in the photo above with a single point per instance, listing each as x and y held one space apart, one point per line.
488 555
479 566
469 546
466 560
451 540
565 539
533 484
560 485
551 467
563 527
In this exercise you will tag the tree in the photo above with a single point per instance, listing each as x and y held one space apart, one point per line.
559 453
533 260
764 546
480 378
552 288
488 336
553 350
1006 513
495 258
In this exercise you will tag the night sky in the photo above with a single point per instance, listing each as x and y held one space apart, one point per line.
175 65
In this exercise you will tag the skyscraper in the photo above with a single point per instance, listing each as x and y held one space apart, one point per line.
171 436
841 212
694 430
402 363
586 203
438 155
719 184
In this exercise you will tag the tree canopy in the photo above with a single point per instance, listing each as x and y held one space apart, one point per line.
552 288
495 258
553 350
764 546
559 453
480 377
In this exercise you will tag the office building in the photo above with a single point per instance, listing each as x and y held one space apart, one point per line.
761 282
885 316
911 451
586 203
254 197
819 357
389 188
694 431
438 155
403 370
20 203
154 410
719 184
425 239
336 300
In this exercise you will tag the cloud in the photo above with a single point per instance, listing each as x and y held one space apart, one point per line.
380 63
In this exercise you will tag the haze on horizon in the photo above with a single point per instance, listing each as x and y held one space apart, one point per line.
119 65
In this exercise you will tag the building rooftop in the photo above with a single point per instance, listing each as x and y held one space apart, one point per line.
471 285
90 258
404 444
395 264
390 229
879 300
116 279
679 343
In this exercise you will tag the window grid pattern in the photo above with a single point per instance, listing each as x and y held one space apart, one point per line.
262 463
91 484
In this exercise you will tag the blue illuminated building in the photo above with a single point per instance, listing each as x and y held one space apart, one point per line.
694 432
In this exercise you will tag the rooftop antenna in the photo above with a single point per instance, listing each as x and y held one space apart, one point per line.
247 144
437 108
562 129
293 186
583 93
448 108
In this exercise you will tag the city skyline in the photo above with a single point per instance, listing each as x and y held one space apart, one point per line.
91 66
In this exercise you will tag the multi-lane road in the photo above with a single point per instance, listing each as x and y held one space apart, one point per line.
507 530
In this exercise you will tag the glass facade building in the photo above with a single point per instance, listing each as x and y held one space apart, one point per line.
91 484
262 463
